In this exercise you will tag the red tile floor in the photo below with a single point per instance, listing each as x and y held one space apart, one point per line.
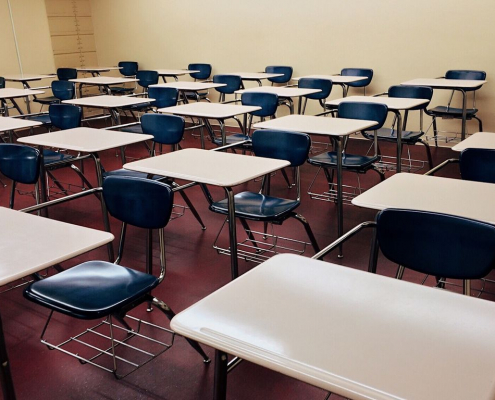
194 271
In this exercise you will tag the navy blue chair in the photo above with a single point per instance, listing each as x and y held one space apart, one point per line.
146 78
204 73
64 74
2 82
128 69
325 85
261 206
232 82
2 102
368 73
99 289
21 164
267 101
352 162
408 137
286 72
477 165
453 112
62 90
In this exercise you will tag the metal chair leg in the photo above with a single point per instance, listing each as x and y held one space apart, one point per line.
428 153
309 232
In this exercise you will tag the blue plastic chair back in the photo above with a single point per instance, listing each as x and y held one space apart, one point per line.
365 111
128 68
64 74
477 165
65 116
233 83
267 101
164 96
279 69
2 82
204 70
140 202
63 90
437 244
325 85
358 72
146 78
20 163
411 92
466 74
282 145
165 128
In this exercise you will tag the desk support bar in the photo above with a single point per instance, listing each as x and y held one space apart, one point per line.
50 203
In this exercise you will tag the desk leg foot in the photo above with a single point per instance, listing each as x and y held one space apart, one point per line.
220 388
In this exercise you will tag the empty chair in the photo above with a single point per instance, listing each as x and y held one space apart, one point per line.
62 90
477 165
368 73
146 78
453 112
2 102
325 86
261 206
2 82
64 74
204 73
408 137
21 164
267 101
232 82
286 72
128 69
98 289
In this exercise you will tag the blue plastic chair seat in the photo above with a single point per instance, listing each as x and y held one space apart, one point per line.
50 156
133 129
47 100
121 90
91 290
231 139
134 174
349 161
455 112
43 118
138 107
192 95
388 134
258 207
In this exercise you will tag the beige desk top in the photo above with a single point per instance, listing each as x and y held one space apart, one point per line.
31 243
103 80
255 75
12 93
9 124
335 78
357 334
192 86
316 125
479 140
210 167
393 103
88 140
28 77
431 193
209 110
445 83
281 91
107 101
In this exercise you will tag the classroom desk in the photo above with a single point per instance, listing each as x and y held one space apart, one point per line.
205 111
96 71
255 76
395 105
350 332
467 199
30 244
211 168
15 93
85 140
336 128
102 82
174 73
25 79
459 85
184 86
284 92
478 140
8 124
340 80
111 103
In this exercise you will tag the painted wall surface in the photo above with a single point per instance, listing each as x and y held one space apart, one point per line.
400 40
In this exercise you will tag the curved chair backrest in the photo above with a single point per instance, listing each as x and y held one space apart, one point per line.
466 74
279 69
2 82
412 92
477 165
233 83
140 202
164 96
267 101
204 70
437 244
282 145
368 73
64 74
65 116
165 128
362 110
63 90
128 68
146 78
20 163
325 85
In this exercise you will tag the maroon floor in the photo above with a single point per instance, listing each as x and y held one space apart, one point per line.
194 271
